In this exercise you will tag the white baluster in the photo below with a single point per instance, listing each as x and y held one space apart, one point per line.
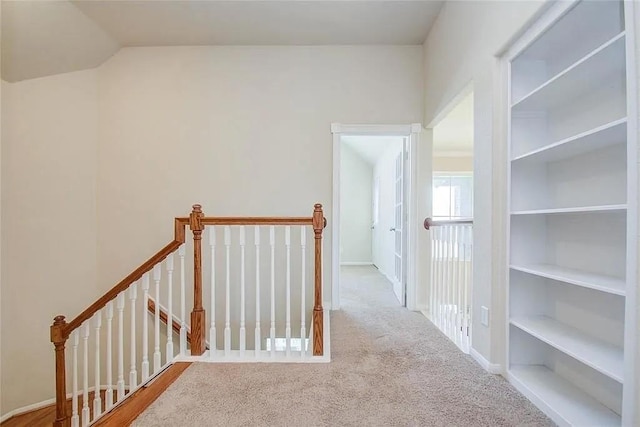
446 276
227 313
456 286
272 330
258 333
109 392
133 373
120 307
467 287
436 272
243 331
212 330
439 233
303 305
287 242
452 281
169 265
433 277
157 363
97 400
145 326
461 283
75 419
85 371
183 324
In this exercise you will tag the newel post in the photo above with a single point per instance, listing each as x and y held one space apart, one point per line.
318 324
59 338
198 343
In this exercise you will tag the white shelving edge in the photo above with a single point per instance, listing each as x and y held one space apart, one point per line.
598 282
577 209
611 133
558 77
564 403
599 355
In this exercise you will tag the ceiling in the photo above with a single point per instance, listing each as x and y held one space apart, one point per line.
453 136
371 148
47 37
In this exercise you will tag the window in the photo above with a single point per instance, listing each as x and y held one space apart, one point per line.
452 195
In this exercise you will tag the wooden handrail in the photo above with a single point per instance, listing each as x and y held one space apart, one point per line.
257 221
428 222
164 318
179 239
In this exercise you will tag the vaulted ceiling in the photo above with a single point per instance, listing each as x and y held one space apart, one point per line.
41 38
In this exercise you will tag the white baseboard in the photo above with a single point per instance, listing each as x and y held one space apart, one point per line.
43 404
492 368
28 408
346 264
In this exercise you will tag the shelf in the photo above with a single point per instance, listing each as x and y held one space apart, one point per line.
599 355
560 400
598 282
590 71
580 209
603 136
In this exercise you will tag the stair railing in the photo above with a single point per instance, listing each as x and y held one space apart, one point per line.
451 278
79 329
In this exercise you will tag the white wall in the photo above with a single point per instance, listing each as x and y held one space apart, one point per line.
452 164
49 138
460 49
242 130
356 176
385 171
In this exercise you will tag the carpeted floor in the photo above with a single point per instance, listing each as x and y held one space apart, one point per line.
390 367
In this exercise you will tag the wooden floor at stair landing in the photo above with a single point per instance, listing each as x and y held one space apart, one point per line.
122 416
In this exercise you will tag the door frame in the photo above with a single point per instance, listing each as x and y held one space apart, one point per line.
412 131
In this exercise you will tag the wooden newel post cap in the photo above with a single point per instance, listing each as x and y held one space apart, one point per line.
57 329
195 223
318 218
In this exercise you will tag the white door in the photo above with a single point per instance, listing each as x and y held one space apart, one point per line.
397 229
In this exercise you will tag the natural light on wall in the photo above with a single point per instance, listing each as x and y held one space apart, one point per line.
452 195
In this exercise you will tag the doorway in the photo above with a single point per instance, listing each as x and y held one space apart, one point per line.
371 199
451 224
373 206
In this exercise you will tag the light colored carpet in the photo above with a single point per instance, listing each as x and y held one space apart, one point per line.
391 367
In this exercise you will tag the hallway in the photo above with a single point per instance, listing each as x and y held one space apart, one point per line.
389 367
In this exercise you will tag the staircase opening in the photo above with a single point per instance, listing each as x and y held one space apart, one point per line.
242 289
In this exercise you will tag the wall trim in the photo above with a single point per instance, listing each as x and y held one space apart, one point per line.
492 368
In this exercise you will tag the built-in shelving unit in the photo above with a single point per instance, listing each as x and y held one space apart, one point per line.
550 391
601 356
571 215
612 285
